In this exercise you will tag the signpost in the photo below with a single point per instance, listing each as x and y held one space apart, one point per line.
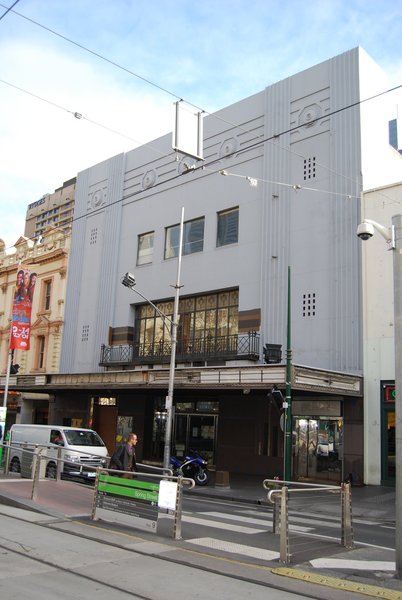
131 502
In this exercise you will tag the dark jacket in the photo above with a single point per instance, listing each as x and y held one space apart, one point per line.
121 457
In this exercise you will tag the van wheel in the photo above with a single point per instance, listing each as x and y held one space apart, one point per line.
15 466
51 471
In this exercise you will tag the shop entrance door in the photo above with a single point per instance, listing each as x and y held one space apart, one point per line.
317 450
195 432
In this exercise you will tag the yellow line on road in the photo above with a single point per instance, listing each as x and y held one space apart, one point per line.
339 584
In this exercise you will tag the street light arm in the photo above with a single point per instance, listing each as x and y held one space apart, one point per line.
129 281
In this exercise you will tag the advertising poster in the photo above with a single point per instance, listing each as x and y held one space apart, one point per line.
22 307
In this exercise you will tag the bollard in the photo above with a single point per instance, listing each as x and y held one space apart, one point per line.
346 509
284 533
222 479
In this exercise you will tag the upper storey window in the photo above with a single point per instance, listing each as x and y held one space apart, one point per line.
145 248
228 227
193 238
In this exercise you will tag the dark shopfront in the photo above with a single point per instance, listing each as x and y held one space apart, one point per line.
240 431
235 431
226 413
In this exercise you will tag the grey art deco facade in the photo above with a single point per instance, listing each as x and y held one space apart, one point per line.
279 187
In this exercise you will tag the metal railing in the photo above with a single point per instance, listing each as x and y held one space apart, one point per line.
242 346
37 458
279 494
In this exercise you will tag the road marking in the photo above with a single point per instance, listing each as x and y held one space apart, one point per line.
232 517
361 565
220 525
233 548
252 521
326 519
334 524
339 584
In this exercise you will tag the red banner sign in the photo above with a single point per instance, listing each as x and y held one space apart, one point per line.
22 307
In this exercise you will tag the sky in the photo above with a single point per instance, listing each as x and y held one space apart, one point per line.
122 64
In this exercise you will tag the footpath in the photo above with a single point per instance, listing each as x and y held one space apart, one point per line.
376 503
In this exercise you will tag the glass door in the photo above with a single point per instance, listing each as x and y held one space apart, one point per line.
317 450
195 432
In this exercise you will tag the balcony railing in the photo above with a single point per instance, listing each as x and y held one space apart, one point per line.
229 347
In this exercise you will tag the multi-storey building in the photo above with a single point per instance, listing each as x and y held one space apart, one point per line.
380 204
48 260
52 210
279 187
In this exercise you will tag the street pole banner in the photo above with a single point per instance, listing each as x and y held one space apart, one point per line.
22 307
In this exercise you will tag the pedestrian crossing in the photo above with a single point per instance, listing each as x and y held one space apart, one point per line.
248 534
239 523
230 530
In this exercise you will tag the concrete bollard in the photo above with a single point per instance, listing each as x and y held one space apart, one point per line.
222 479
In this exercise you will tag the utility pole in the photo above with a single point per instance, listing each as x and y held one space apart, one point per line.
397 259
287 476
169 397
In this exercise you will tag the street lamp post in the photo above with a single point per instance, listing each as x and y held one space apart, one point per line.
393 237
129 281
397 227
287 476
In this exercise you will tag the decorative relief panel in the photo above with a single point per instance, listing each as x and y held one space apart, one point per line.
149 179
97 198
308 115
228 147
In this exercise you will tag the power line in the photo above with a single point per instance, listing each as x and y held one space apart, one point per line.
126 70
101 57
8 9
260 138
204 166
178 97
78 115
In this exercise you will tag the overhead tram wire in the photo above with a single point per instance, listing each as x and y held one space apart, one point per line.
8 9
178 97
126 70
79 116
204 166
272 138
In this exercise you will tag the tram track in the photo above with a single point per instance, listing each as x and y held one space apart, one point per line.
57 565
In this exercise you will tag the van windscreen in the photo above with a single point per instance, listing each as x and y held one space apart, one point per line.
80 437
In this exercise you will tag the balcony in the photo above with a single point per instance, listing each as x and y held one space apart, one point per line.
231 347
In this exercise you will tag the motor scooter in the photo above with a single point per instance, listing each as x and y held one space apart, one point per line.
193 466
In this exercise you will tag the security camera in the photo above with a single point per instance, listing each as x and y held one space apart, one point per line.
365 231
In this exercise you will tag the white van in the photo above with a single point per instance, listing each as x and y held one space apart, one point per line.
81 446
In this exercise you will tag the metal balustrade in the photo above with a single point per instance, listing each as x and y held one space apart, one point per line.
239 346
284 495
